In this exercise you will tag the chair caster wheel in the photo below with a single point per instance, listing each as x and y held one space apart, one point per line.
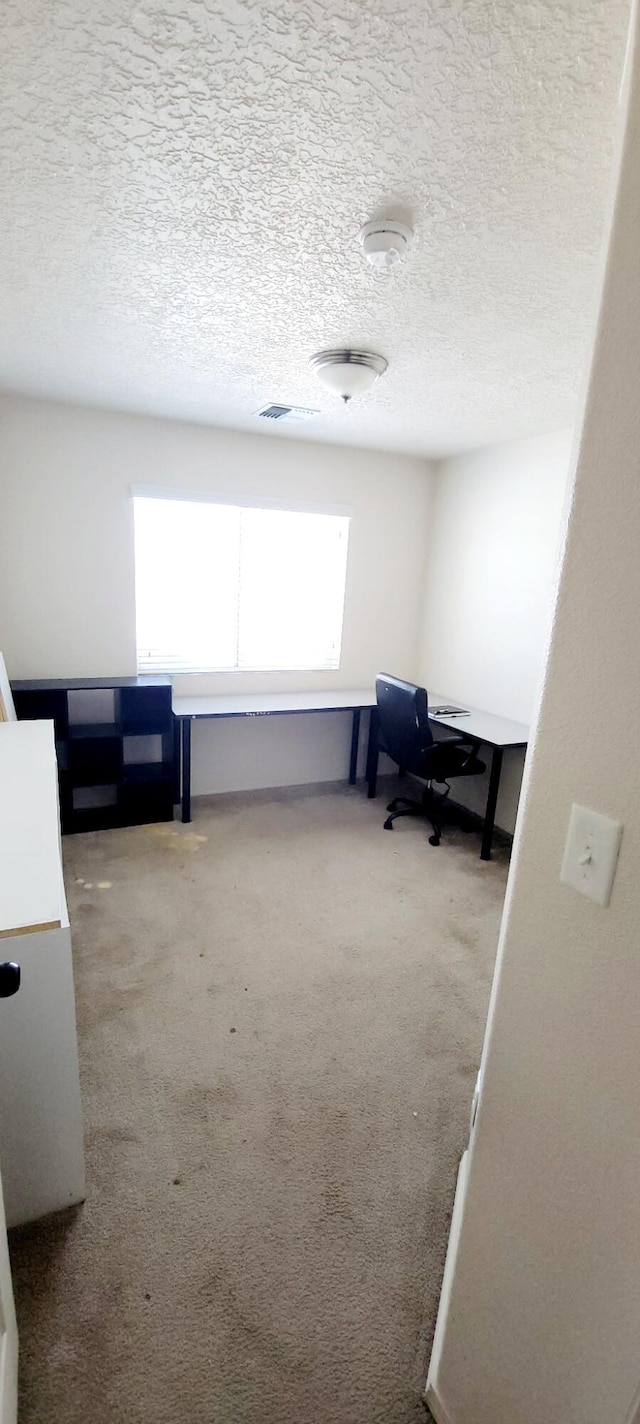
388 825
434 840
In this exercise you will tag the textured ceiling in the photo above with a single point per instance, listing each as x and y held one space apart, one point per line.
183 185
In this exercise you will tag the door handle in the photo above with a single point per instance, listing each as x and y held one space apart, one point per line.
9 979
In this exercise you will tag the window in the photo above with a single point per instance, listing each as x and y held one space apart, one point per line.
220 586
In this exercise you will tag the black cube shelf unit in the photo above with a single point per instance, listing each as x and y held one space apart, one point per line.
115 747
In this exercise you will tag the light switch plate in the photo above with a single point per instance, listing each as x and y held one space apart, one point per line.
591 853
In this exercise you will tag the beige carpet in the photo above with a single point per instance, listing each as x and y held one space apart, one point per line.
280 1010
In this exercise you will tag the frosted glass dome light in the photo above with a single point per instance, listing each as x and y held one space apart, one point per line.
348 373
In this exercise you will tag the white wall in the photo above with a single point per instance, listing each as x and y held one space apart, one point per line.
490 576
544 1315
67 572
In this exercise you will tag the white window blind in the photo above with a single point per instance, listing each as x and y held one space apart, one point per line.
221 586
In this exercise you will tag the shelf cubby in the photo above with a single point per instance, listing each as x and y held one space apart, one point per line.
114 744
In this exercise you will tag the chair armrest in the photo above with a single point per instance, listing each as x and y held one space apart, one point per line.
471 749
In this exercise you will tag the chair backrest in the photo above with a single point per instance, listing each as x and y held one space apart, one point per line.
403 712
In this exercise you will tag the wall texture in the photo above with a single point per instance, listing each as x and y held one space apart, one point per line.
544 1313
67 573
491 567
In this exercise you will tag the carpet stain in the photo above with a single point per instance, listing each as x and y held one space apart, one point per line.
335 1204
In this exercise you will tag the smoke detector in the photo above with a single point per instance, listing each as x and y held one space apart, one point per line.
384 242
348 373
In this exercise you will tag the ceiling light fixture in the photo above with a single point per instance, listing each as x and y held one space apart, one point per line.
384 242
348 373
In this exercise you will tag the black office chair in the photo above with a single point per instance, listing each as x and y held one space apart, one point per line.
422 748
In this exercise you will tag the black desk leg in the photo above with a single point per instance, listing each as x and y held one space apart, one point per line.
186 768
355 743
492 801
372 754
176 761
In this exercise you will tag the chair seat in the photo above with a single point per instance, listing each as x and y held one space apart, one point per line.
438 763
452 761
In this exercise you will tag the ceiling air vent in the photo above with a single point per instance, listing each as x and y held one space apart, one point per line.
286 412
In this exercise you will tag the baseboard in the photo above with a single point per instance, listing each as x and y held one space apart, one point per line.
633 1417
298 790
432 1395
473 821
436 1407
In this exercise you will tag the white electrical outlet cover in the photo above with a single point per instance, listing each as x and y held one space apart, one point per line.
591 853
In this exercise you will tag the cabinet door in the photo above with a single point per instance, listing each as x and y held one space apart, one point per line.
41 1140
8 1333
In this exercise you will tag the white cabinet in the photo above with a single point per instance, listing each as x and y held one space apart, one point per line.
41 1142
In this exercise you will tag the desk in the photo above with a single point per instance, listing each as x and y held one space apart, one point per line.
500 733
271 704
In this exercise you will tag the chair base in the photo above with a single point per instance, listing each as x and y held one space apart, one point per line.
429 806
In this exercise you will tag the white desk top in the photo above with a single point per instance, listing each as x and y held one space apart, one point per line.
485 726
262 703
31 890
